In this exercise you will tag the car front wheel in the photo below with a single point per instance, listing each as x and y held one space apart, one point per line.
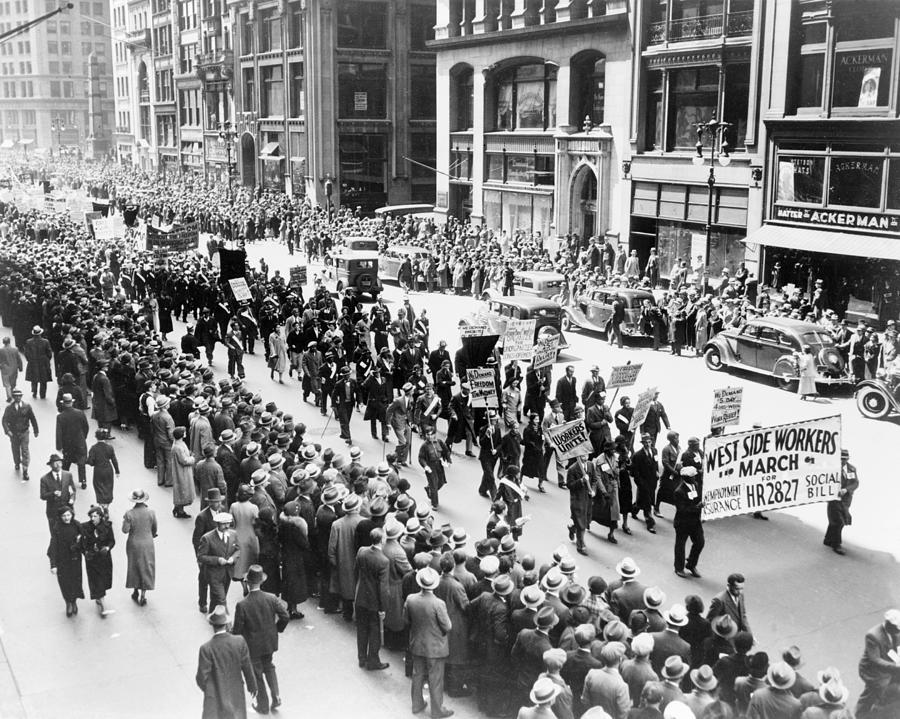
871 403
565 322
713 359
786 376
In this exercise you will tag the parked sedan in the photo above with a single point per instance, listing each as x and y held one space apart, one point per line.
593 310
393 256
768 345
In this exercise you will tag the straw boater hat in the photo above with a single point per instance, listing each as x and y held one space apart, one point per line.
138 496
781 676
627 569
427 578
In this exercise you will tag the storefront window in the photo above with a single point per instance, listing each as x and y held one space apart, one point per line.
423 88
693 97
862 78
893 197
362 90
801 179
520 168
495 167
363 162
513 211
855 181
526 98
492 205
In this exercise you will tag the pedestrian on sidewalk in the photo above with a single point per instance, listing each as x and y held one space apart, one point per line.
97 541
139 524
429 625
65 558
223 668
71 437
57 489
10 366
217 553
39 355
102 457
18 417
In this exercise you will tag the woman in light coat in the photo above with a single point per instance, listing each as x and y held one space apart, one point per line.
182 464
806 363
278 358
245 514
140 526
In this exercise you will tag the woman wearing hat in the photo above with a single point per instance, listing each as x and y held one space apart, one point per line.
806 365
533 454
97 541
65 558
278 357
269 557
102 457
293 532
245 514
139 524
182 464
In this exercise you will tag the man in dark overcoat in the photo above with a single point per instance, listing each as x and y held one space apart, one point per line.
71 437
221 663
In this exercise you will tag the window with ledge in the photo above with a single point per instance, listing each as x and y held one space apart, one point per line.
298 96
270 31
858 49
362 90
362 24
526 97
588 89
272 79
421 25
295 25
249 89
462 98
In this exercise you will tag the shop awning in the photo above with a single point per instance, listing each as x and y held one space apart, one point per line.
6 144
271 151
26 140
143 144
832 243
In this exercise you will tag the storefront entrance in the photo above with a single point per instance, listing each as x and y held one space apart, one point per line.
583 206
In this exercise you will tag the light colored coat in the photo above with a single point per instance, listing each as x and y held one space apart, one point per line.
182 466
342 555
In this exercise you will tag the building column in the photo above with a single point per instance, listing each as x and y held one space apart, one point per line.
442 20
321 130
442 135
478 84
399 184
518 14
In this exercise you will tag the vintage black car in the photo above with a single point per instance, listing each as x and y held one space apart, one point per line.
876 398
594 308
767 345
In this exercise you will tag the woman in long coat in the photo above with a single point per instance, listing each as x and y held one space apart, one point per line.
269 557
606 502
806 364
294 535
278 358
140 526
104 401
245 514
182 465
454 595
97 541
164 313
65 558
102 457
533 454
394 634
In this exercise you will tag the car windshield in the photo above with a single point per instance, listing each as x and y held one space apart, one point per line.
547 312
364 264
817 338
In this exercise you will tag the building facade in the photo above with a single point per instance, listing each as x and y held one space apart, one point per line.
696 197
44 85
533 115
832 162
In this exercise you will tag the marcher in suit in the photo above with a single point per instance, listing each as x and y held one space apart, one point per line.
581 495
567 393
57 489
205 522
371 601
429 625
488 453
18 417
879 672
838 509
656 418
378 393
343 400
433 456
220 665
39 355
398 419
71 437
645 470
687 523
217 552
259 618
10 366
731 602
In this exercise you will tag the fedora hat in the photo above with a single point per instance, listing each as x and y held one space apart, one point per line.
781 675
331 496
403 502
37 330
251 448
674 668
676 615
427 578
553 579
507 544
214 494
573 595
378 507
276 460
139 496
255 574
828 674
724 626
502 585
413 526
544 691
703 678
567 565
219 616
793 656
833 692
532 596
259 477
351 503
546 618
393 530
627 569
459 537
297 476
227 435
162 401
654 597
355 452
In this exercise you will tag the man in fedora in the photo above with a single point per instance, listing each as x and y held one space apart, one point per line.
542 695
398 414
39 356
162 427
343 400
71 437
10 366
704 691
839 509
208 474
878 667
668 643
217 552
259 617
429 624
18 417
775 699
57 489
491 629
528 649
629 595
671 673
371 601
204 523
223 667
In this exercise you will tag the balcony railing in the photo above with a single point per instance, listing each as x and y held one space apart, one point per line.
138 38
703 27
215 66
144 97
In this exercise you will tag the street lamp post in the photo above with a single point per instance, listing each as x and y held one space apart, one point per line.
57 125
227 136
718 149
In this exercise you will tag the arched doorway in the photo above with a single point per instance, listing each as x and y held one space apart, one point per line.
583 206
248 160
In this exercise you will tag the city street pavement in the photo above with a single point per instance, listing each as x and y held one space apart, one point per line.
140 661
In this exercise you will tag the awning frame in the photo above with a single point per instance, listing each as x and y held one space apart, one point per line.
826 241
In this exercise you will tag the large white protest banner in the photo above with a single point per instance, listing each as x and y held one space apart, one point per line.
772 467
726 406
624 375
482 387
518 343
569 439
641 407
545 352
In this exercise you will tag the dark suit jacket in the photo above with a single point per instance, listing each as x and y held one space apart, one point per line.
372 579
566 391
722 603
429 624
259 617
655 419
578 664
626 599
221 662
528 655
665 645
211 548
49 486
202 524
71 432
